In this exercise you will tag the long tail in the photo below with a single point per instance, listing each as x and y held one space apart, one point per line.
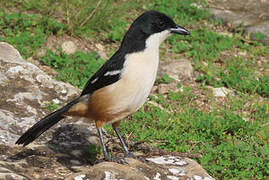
44 124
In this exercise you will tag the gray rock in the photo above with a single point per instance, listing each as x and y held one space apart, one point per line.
25 90
101 51
252 15
221 92
177 69
69 47
160 167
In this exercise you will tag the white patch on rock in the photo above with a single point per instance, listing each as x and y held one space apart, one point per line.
107 175
221 92
110 176
15 70
20 97
31 109
174 170
6 117
177 171
80 177
42 78
157 177
168 160
69 47
180 163
160 160
64 91
56 101
197 177
146 178
201 178
27 121
173 177
208 178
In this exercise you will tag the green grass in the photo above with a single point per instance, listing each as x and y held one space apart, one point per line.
76 68
229 145
230 133
236 75
27 32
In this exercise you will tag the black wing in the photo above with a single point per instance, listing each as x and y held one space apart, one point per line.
105 76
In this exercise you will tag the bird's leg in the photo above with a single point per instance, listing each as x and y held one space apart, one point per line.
99 126
126 151
100 133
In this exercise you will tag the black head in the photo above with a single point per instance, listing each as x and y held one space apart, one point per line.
152 22
149 23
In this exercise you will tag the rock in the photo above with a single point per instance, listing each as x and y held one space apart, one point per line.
25 92
69 150
49 70
160 167
221 92
41 52
252 15
101 51
178 69
69 47
163 88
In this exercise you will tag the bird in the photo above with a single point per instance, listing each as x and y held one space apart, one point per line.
121 86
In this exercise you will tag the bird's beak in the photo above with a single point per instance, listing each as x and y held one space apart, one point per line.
180 30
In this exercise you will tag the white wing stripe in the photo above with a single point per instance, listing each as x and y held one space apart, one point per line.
93 81
111 73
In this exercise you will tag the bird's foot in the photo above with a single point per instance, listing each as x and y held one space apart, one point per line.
131 155
119 160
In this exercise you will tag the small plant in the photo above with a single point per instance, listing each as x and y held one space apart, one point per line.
93 151
165 79
51 106
259 36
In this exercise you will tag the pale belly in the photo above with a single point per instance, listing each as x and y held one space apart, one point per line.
132 90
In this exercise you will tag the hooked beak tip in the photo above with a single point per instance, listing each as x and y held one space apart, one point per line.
180 30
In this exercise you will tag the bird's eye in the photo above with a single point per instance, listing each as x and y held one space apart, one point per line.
161 24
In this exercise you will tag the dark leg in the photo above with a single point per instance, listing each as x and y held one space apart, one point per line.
127 153
100 133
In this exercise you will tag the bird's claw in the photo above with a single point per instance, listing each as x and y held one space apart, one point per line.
131 155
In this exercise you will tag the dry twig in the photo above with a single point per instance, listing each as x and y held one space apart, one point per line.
89 17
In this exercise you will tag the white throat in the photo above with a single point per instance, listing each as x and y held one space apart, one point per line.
155 40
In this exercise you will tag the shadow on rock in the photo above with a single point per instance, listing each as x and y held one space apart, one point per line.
78 144
71 145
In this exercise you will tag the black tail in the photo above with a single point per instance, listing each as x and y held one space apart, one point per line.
44 124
